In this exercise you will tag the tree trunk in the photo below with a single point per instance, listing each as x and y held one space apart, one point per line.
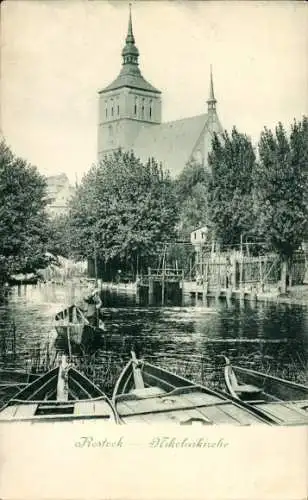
283 276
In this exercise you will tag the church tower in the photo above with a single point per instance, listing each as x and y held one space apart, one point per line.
128 105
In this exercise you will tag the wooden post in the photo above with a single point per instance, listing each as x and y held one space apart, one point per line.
138 379
62 386
69 342
284 276
182 288
163 278
151 286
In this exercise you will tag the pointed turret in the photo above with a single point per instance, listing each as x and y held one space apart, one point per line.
130 74
130 52
211 102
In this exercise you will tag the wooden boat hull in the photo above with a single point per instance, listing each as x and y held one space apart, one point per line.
40 402
168 398
72 325
283 401
71 331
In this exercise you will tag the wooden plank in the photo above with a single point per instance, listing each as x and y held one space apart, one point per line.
8 412
242 416
102 408
283 413
201 397
25 411
84 408
217 415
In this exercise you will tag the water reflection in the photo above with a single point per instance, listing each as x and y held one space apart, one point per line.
271 337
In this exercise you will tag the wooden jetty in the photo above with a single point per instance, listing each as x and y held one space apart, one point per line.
161 282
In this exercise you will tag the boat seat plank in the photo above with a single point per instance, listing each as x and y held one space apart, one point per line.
156 404
198 397
176 416
83 408
147 392
168 404
247 389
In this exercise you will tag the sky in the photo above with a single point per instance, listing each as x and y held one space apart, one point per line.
57 54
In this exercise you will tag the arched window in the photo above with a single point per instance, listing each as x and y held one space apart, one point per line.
136 106
150 110
142 109
118 107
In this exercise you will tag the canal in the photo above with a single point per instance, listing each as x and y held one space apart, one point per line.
188 337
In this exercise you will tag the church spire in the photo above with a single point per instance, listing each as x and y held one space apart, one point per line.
130 53
130 36
211 102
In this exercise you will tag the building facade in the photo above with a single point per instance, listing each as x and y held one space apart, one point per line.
130 117
59 192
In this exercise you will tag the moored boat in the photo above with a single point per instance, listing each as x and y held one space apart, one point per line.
62 394
12 381
145 393
285 402
72 324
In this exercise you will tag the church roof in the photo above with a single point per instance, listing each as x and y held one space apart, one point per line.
171 143
130 80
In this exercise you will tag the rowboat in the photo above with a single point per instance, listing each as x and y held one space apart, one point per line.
12 381
72 324
145 393
62 394
285 402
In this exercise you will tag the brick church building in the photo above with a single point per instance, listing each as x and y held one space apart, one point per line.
130 111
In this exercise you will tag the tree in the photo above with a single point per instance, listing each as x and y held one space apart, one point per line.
230 207
281 187
58 236
123 210
192 195
23 221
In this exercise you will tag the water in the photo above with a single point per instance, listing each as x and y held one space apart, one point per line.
188 338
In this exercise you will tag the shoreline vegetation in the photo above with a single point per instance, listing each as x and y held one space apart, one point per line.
126 217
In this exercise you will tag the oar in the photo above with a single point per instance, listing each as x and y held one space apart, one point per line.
138 379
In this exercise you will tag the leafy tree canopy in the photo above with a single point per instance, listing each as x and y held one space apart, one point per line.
230 206
123 209
281 183
22 214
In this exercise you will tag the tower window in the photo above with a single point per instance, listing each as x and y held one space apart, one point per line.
111 110
142 109
150 111
135 107
118 109
106 112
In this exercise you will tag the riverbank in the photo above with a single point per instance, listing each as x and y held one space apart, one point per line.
296 295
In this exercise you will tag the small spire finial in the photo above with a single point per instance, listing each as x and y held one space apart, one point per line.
130 35
211 100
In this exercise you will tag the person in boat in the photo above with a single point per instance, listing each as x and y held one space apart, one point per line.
93 304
